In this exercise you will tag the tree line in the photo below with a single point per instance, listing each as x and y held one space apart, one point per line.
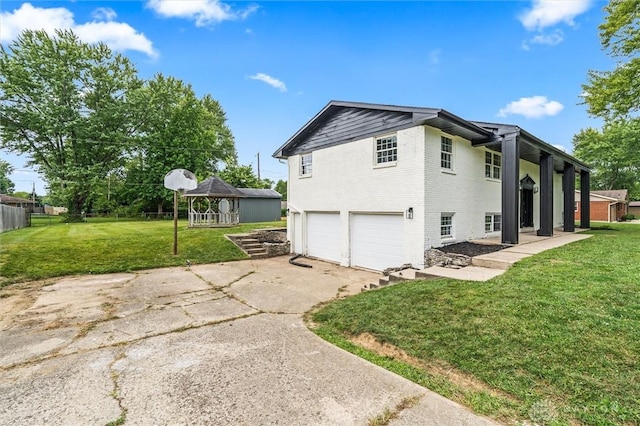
614 96
102 137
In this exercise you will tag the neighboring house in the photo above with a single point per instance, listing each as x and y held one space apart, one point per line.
374 186
634 208
10 200
606 206
259 205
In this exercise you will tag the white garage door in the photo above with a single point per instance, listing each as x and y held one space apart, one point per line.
323 236
376 241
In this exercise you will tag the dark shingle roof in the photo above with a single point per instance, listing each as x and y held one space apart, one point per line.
259 193
214 187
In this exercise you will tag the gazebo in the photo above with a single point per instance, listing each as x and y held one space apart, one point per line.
214 203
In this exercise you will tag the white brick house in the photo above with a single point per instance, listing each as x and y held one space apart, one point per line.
374 186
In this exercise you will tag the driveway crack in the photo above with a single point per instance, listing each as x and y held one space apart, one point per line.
115 393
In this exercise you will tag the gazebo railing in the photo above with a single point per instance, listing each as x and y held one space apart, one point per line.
213 219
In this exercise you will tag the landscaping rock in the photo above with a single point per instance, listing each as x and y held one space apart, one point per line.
435 257
388 271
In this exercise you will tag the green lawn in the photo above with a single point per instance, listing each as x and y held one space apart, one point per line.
555 340
51 249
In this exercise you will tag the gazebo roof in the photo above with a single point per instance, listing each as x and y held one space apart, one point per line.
214 187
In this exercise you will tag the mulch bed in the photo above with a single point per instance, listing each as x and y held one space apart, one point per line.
472 249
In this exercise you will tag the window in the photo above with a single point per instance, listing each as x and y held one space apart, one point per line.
446 225
446 153
306 165
492 222
386 150
492 165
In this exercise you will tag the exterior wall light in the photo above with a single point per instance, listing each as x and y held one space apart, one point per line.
409 213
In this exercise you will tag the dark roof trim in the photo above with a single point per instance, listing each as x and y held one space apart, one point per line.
501 130
419 116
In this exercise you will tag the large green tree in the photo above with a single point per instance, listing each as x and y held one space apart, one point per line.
68 105
6 185
180 131
242 176
281 187
616 93
614 155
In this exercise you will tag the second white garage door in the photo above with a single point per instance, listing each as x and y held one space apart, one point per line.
376 241
323 236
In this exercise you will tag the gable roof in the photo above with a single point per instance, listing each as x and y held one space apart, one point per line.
214 187
617 194
341 122
596 197
259 193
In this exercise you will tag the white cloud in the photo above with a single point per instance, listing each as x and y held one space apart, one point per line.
28 17
117 35
203 12
271 81
104 14
533 107
546 13
552 39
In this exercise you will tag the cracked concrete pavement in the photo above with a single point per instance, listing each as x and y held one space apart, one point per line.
213 344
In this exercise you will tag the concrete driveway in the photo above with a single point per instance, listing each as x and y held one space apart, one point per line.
220 344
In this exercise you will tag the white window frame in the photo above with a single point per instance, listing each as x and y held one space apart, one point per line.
385 150
450 226
446 156
491 222
306 164
490 166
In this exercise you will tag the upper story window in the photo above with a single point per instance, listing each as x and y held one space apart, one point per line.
386 150
446 153
446 225
306 164
492 165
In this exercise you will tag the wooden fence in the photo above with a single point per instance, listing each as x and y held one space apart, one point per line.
13 218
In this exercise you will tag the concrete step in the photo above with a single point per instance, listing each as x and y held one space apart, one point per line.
469 273
255 250
250 245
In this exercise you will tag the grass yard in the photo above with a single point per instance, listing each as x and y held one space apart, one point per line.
97 247
555 340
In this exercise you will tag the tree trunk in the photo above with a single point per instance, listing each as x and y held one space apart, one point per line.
160 211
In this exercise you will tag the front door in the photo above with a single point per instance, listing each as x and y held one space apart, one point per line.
526 202
526 208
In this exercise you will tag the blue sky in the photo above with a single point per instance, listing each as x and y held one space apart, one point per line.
274 64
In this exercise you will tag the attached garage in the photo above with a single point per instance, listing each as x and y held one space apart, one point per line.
377 241
324 236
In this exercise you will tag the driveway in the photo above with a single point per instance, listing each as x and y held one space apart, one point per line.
214 344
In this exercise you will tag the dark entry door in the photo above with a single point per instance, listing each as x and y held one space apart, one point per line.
526 208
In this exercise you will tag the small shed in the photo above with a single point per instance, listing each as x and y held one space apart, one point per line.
259 205
214 203
634 208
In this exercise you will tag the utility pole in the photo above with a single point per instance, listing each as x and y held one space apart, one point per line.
258 166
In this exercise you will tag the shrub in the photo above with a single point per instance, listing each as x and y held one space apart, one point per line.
628 216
